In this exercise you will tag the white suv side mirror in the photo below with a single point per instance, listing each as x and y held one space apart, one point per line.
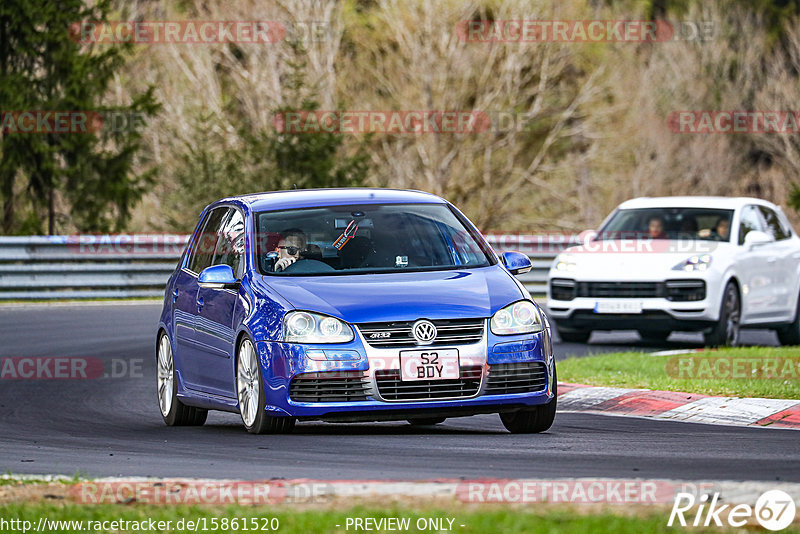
754 237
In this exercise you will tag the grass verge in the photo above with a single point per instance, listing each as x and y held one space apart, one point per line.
770 372
496 519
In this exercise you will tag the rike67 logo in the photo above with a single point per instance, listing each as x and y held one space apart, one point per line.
774 510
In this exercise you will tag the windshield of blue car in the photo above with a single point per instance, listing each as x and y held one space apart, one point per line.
360 239
668 223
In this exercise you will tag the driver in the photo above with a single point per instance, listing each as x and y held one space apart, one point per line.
720 232
292 242
723 228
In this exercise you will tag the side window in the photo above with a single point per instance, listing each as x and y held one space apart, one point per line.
785 224
203 252
749 221
774 225
191 255
230 246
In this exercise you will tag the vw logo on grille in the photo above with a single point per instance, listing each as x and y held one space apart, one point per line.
424 332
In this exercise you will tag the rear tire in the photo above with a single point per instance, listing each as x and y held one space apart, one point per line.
533 420
426 421
790 334
573 336
173 411
250 393
726 332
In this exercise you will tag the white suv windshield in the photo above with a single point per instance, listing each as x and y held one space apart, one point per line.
357 239
668 223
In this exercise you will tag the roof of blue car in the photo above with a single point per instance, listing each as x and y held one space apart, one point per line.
306 198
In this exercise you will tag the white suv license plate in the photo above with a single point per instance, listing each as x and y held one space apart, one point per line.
618 306
429 364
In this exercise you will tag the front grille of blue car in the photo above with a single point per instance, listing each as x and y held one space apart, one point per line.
334 386
398 334
521 377
391 388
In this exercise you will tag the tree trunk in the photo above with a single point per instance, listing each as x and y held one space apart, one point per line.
7 188
51 212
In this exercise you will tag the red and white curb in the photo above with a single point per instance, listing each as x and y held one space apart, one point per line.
676 406
633 491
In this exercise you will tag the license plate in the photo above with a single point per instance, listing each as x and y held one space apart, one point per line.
618 306
430 364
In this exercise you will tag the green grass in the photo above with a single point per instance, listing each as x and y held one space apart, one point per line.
10 479
642 370
504 520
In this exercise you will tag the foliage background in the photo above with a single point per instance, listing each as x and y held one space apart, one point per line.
590 126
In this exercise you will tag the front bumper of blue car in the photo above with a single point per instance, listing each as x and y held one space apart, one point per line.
359 381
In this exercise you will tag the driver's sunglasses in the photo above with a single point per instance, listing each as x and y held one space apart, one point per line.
291 250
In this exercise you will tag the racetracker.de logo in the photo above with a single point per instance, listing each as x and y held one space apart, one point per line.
178 32
179 492
49 122
574 491
383 122
69 368
734 367
139 244
582 31
734 121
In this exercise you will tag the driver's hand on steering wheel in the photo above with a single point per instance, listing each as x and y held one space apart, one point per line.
283 263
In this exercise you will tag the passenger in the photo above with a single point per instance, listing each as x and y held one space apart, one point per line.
655 228
293 241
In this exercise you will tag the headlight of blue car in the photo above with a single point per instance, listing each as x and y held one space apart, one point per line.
307 327
522 317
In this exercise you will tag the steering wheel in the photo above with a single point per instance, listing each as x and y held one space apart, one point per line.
308 266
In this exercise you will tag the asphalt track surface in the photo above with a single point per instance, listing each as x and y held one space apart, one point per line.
112 426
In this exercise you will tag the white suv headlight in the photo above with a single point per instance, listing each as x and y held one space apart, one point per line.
522 317
694 263
307 327
564 262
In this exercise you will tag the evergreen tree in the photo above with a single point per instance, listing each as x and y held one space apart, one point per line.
43 67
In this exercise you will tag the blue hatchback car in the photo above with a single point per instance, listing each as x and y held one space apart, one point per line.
350 305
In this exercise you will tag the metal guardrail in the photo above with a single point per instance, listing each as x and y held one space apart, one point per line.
125 266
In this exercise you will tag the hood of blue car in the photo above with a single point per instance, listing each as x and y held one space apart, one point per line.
467 293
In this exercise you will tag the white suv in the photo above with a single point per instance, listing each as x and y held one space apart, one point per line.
702 264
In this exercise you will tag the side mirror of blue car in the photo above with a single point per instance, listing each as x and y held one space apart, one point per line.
217 276
516 262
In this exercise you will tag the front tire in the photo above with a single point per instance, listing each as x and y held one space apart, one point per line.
790 334
250 393
533 420
726 332
173 411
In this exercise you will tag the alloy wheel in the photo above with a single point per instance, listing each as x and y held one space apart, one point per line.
166 372
247 383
